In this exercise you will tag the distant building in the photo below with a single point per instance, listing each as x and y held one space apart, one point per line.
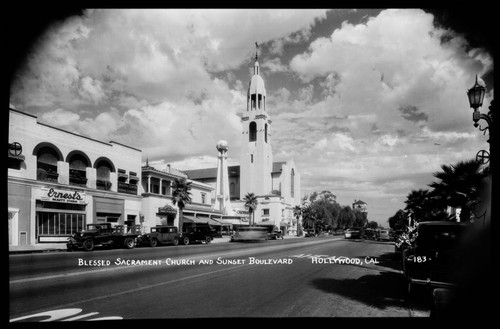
360 206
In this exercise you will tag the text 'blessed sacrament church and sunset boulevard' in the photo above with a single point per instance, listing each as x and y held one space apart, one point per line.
59 181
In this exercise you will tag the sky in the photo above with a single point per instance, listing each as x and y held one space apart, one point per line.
369 103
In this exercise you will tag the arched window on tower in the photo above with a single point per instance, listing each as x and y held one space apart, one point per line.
252 132
265 132
260 101
253 101
292 183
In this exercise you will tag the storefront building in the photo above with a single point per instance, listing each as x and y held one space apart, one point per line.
157 205
59 181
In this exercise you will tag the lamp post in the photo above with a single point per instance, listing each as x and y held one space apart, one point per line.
476 97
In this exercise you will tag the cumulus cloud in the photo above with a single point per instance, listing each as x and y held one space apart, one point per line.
368 109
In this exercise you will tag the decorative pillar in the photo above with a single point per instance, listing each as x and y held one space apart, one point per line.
222 195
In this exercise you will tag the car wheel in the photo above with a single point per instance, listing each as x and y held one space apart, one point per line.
129 243
185 240
176 241
88 245
153 242
208 239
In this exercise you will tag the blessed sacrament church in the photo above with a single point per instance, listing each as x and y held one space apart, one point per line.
275 184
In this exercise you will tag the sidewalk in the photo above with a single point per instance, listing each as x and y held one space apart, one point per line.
54 247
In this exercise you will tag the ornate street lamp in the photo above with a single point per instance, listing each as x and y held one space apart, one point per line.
476 97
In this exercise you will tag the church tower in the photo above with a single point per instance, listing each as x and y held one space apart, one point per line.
256 158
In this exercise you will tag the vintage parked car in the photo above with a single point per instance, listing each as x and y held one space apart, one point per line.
428 261
370 234
352 233
275 234
383 235
160 235
310 234
105 235
197 232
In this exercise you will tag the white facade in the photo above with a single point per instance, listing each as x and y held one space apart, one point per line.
157 204
59 181
256 159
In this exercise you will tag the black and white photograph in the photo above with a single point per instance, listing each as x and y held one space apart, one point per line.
223 165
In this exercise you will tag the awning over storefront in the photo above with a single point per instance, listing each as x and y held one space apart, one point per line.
223 222
191 219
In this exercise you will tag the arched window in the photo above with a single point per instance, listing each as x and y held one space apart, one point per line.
103 170
252 132
78 169
292 184
46 164
265 132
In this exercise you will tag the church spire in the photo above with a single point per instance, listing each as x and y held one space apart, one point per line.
256 65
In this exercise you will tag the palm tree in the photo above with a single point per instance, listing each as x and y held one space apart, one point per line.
181 195
459 186
297 212
251 203
415 204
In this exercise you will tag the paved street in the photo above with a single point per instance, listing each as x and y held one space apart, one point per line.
276 278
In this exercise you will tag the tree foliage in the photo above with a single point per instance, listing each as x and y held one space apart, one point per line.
181 195
458 186
251 203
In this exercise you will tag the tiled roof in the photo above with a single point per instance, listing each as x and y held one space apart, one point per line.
173 172
277 166
211 172
233 171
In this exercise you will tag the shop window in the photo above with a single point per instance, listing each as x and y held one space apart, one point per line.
59 224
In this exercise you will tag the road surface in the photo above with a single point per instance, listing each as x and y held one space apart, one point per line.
300 277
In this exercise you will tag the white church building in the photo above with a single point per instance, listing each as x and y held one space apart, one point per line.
275 184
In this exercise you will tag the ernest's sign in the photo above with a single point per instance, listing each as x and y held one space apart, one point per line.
51 194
